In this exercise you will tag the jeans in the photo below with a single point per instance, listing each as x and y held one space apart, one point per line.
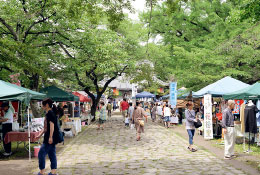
51 151
191 133
7 127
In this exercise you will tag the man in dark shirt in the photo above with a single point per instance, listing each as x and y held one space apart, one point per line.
76 110
229 130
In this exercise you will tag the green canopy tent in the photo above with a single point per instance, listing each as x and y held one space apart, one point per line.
58 95
13 92
252 92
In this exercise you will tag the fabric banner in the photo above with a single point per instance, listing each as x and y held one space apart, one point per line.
173 94
238 104
208 128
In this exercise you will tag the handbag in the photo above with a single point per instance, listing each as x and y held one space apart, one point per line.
198 123
141 122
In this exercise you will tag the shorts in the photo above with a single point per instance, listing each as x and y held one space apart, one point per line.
126 124
166 119
100 121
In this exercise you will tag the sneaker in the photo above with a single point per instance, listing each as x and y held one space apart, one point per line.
234 156
7 154
227 158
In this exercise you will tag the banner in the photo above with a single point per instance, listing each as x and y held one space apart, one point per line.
173 94
208 128
238 104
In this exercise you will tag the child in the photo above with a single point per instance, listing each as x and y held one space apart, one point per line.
127 122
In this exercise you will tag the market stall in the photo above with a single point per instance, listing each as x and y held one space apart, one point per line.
145 96
217 90
252 95
59 95
12 92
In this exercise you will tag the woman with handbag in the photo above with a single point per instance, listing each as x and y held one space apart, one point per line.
190 120
51 138
138 118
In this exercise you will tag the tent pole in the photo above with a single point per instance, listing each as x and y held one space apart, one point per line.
29 132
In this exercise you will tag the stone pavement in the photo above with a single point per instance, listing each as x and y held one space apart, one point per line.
115 151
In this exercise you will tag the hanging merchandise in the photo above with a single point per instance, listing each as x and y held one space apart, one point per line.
258 114
238 103
250 118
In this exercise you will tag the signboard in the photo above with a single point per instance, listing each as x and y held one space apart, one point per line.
173 94
208 128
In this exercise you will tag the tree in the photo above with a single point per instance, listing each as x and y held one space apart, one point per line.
194 32
97 57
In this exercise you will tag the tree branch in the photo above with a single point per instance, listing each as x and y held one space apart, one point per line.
6 68
23 3
37 22
9 28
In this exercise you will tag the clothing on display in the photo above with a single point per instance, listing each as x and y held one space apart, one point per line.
250 119
258 114
242 117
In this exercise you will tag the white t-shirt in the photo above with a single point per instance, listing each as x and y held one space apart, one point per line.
167 112
159 110
9 115
126 120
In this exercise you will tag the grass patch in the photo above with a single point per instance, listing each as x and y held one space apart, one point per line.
18 152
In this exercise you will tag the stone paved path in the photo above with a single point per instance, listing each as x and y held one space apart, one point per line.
115 151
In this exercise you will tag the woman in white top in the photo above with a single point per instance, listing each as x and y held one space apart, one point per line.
166 114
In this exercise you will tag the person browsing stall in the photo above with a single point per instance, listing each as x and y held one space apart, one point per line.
7 122
76 110
229 130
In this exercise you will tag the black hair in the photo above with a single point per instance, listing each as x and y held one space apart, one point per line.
124 99
130 104
166 105
102 103
5 104
51 105
81 104
137 104
47 101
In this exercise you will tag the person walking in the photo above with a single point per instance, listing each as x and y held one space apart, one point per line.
159 112
131 111
153 112
123 108
229 130
114 105
166 114
190 119
51 137
109 109
102 116
138 118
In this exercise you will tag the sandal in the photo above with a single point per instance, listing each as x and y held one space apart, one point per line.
193 150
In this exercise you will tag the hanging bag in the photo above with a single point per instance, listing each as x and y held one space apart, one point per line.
198 123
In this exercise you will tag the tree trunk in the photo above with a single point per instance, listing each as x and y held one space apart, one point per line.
94 106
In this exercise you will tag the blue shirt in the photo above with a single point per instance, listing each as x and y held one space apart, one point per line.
76 114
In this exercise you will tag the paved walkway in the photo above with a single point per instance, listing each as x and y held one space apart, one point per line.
115 151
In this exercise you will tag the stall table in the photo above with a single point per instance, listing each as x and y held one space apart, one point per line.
20 137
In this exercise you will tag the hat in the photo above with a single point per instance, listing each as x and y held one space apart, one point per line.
76 102
5 104
215 103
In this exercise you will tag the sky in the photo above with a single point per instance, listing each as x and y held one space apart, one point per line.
139 6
